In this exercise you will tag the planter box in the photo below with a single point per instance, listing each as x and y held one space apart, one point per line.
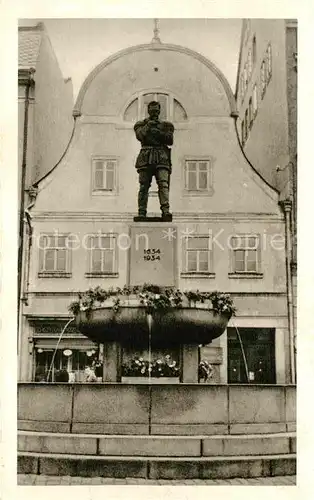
152 380
194 325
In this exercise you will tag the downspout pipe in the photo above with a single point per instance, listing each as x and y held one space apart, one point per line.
29 83
287 208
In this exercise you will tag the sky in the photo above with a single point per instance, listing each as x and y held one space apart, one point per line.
81 44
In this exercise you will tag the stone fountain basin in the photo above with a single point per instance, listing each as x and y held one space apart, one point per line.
185 325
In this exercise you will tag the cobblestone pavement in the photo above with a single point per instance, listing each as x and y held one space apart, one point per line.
34 480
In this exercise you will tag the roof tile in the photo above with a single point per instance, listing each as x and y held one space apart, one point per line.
29 44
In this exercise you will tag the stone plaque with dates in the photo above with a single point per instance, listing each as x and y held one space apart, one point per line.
153 254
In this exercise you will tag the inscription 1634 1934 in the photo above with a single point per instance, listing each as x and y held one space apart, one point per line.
152 254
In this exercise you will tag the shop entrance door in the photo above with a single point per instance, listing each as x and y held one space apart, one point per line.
259 349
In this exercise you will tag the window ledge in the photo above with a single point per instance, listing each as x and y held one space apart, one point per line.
104 192
245 275
198 275
205 192
45 274
101 275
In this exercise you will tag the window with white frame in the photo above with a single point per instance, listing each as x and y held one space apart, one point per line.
251 114
102 254
245 126
254 100
245 75
245 251
170 108
198 175
54 255
254 50
242 87
243 132
198 255
249 63
247 30
263 79
268 63
104 174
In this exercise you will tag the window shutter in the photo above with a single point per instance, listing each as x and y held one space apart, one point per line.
203 178
98 174
61 259
108 261
191 261
110 168
96 260
49 260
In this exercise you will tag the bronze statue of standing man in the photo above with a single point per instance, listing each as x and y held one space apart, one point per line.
154 159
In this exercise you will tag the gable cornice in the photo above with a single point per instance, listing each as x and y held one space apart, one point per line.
156 46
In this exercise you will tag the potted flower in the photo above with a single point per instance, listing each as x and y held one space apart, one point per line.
161 370
205 371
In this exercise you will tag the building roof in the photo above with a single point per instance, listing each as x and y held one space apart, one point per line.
29 44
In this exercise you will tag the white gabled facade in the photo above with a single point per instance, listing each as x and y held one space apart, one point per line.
215 195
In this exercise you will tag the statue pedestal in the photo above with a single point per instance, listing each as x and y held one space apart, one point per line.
165 218
153 253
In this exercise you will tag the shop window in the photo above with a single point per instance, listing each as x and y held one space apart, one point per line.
197 255
104 174
257 364
245 255
70 361
198 175
102 255
170 108
54 255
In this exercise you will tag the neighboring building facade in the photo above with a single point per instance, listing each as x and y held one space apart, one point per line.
45 122
266 98
50 118
232 218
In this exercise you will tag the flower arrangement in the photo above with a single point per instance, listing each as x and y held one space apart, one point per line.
138 367
205 370
153 298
